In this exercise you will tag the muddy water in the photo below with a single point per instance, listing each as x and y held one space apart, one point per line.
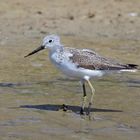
32 91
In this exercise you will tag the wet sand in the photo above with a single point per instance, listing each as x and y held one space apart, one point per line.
32 90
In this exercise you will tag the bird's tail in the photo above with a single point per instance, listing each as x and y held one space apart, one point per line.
130 67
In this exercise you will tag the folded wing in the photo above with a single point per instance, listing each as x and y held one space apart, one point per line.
88 59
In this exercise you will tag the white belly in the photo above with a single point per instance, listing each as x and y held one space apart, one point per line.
80 72
70 69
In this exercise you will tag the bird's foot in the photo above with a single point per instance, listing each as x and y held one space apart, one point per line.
82 112
64 108
88 113
89 109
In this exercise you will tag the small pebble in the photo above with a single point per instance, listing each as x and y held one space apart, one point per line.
39 12
133 14
71 17
91 15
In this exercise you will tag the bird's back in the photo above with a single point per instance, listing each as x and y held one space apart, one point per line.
89 59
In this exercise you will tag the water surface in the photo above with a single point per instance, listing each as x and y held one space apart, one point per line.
32 91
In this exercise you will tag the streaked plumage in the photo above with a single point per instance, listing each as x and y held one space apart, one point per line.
80 63
89 59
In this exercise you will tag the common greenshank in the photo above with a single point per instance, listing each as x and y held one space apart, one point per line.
82 64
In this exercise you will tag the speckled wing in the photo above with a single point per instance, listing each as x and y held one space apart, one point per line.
88 59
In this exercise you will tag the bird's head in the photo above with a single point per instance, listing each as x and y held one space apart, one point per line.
50 42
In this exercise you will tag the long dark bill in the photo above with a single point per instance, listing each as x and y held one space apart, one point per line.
35 51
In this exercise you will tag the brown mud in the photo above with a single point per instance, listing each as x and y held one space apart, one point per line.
32 90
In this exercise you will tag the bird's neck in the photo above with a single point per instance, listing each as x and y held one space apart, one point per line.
56 48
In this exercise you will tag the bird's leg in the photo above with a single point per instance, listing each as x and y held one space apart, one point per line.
84 99
91 99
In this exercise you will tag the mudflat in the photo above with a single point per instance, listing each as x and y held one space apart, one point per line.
32 90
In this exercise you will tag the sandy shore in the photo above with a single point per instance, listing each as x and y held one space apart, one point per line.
82 18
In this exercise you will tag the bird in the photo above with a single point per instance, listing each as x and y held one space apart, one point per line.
81 64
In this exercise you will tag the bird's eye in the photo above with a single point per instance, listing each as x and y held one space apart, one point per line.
50 41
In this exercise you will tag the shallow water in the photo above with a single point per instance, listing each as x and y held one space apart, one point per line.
32 91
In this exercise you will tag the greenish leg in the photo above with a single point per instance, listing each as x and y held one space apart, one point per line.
92 95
